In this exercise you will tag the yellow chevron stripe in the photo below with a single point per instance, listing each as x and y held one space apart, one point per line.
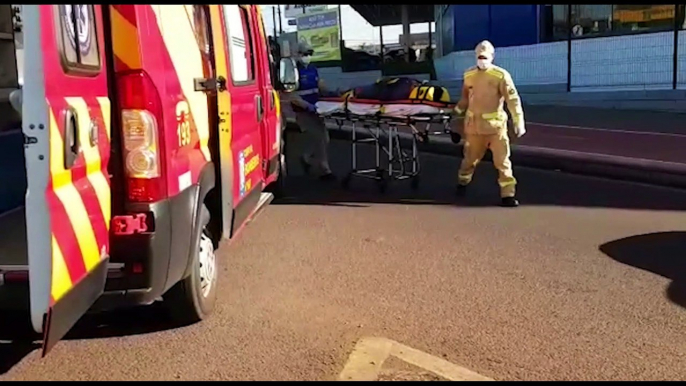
92 157
277 106
61 281
125 42
223 98
260 24
71 199
105 108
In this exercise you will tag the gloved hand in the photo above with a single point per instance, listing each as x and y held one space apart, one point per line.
458 112
311 108
519 129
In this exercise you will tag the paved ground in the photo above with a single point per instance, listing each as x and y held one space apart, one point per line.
585 281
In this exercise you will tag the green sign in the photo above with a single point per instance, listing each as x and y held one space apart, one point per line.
322 32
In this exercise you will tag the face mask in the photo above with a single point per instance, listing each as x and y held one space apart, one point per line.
483 63
306 59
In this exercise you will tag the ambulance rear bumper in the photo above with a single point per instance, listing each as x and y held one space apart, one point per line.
162 255
151 263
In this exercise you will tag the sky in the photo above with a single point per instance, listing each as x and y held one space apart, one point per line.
356 30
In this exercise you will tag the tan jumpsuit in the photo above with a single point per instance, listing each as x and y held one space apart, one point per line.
483 94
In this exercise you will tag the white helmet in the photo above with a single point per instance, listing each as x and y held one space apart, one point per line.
485 48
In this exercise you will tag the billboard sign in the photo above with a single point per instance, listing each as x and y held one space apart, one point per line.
296 10
322 32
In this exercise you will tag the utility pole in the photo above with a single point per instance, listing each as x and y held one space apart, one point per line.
280 25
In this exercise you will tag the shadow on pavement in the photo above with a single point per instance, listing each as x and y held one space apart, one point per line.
438 177
662 253
17 339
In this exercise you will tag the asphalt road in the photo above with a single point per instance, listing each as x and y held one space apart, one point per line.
585 281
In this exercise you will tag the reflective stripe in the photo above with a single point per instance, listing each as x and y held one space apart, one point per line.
496 115
469 73
308 92
489 116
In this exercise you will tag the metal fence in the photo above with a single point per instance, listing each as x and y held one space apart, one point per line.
649 58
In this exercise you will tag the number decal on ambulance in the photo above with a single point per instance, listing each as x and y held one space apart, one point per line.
183 123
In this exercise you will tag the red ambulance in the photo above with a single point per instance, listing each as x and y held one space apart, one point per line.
140 136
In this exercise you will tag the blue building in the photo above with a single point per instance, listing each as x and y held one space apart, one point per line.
463 26
623 56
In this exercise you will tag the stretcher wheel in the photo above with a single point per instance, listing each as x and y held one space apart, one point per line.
455 137
423 137
345 183
414 183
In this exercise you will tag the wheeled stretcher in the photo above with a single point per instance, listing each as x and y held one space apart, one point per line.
382 119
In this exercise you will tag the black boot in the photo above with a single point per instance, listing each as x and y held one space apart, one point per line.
328 177
509 202
460 190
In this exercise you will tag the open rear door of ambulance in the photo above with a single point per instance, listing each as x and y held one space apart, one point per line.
66 119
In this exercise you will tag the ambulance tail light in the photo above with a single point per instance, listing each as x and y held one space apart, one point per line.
141 126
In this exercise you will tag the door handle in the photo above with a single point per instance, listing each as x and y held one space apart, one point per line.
260 107
72 145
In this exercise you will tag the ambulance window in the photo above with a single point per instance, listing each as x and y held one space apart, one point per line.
240 47
269 47
79 40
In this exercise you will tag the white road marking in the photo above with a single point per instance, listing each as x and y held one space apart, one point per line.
659 134
369 354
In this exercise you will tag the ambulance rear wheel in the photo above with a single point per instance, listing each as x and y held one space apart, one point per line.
193 298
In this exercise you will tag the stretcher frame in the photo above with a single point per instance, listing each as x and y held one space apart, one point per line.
408 165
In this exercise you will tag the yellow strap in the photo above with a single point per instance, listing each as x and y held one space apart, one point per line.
495 115
469 73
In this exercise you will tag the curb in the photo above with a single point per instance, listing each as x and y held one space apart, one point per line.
660 173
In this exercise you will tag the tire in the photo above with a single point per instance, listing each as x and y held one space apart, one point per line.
193 298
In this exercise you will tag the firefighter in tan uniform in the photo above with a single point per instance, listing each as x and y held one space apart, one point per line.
485 88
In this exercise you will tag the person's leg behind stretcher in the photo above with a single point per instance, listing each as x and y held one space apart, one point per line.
316 145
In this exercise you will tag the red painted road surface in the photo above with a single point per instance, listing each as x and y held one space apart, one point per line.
652 146
636 134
